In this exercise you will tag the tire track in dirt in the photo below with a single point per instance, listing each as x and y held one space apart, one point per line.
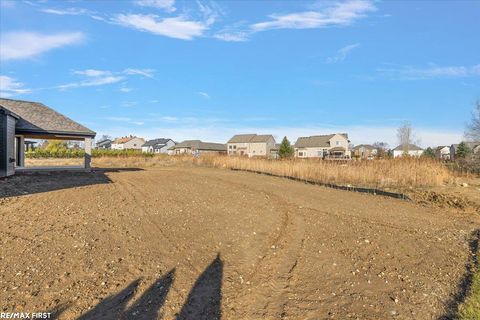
269 281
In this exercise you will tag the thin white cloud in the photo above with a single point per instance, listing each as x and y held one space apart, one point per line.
143 72
338 14
10 87
432 72
177 27
95 77
26 45
93 73
342 53
203 94
233 36
66 12
167 5
96 81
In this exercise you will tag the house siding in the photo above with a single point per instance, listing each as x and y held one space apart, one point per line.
251 149
7 145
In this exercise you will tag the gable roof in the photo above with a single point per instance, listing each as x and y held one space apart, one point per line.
250 138
322 141
156 142
241 138
262 138
37 118
471 145
200 145
104 142
409 147
365 146
123 140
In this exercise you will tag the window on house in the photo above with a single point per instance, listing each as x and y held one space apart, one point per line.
337 143
234 147
300 154
230 147
319 153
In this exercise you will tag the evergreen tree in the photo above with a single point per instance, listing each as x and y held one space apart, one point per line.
429 153
286 150
462 150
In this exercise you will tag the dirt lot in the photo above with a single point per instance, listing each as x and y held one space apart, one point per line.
200 243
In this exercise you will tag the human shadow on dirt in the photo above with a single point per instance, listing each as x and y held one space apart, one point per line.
203 301
464 285
23 184
148 306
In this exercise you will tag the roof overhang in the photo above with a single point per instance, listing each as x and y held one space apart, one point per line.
57 135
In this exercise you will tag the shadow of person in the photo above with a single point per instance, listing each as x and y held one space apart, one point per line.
113 306
204 300
146 307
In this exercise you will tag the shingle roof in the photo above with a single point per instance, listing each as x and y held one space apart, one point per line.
200 145
250 138
37 118
241 138
410 147
104 142
156 142
123 140
365 146
261 138
322 141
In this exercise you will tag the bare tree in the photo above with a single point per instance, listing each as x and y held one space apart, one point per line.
473 128
382 148
405 136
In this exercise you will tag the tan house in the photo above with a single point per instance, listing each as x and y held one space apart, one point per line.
323 146
407 150
251 145
128 143
197 147
364 151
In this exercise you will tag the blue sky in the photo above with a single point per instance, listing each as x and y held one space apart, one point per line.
210 69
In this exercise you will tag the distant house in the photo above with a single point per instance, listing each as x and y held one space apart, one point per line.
251 145
408 149
364 151
442 152
158 145
274 152
474 147
128 143
197 147
104 144
322 146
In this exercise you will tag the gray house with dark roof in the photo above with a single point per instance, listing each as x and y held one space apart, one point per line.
158 145
24 119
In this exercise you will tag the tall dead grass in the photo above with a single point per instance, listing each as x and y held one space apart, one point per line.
403 172
391 173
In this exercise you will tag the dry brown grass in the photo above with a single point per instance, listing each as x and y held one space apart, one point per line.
391 173
379 173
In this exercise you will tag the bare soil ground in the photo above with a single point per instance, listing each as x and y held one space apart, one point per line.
201 243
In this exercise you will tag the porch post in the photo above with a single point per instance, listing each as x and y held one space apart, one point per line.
88 153
21 151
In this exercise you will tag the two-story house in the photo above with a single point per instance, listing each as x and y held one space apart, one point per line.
128 143
158 145
329 145
251 145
